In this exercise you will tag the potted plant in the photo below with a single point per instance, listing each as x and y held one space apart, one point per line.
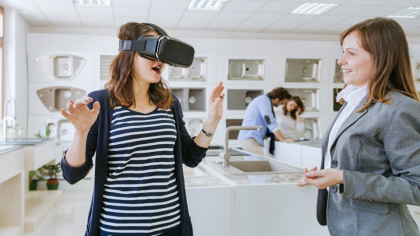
33 183
51 171
47 133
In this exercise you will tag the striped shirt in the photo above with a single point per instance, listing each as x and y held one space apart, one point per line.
141 195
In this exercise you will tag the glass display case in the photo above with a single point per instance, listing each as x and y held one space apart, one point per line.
55 98
309 97
303 70
336 105
241 69
191 99
338 73
196 72
239 99
233 122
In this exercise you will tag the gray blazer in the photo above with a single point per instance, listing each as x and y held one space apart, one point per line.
378 150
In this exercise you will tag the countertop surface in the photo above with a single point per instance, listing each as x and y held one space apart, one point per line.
210 180
25 142
8 148
254 179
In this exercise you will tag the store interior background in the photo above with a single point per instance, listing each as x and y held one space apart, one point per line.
261 32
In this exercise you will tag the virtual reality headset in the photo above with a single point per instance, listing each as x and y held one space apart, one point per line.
163 48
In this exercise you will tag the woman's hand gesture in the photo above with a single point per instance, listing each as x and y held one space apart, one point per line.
302 182
216 104
80 115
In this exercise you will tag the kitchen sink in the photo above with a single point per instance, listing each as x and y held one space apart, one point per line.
193 172
256 167
263 166
216 150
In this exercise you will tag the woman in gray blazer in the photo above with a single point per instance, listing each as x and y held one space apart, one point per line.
371 153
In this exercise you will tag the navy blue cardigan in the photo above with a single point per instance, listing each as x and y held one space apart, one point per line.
185 151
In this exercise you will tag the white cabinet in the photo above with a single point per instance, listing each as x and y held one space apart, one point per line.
311 157
288 153
12 193
297 154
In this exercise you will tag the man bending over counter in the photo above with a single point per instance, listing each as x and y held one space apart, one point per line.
260 113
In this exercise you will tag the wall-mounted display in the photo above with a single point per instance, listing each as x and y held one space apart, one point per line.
242 69
312 128
61 129
105 62
336 105
233 134
309 97
191 99
194 125
338 73
196 72
55 98
239 99
303 70
60 66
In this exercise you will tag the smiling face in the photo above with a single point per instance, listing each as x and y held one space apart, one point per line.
356 62
291 106
146 70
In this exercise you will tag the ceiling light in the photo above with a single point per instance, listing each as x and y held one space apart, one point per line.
92 2
411 12
314 8
207 4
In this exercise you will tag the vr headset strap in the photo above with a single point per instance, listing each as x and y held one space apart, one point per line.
136 45
158 29
132 45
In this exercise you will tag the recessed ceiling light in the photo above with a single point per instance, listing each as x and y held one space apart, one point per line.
207 4
411 12
314 8
92 2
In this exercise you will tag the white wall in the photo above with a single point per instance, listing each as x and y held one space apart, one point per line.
15 66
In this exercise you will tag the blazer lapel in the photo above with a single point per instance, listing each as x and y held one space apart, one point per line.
350 121
327 134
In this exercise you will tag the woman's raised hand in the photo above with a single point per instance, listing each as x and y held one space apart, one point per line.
80 115
216 103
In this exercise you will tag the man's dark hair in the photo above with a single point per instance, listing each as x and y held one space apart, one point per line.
280 93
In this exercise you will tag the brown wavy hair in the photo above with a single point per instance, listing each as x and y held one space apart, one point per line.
280 93
299 104
385 40
120 86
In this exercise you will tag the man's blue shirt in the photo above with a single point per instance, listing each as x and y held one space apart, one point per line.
259 107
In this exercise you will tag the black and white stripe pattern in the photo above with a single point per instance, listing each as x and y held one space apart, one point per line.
141 195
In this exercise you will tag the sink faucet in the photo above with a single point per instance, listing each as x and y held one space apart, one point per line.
311 131
225 154
8 119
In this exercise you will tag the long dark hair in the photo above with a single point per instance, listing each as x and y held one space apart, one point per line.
385 40
299 104
120 86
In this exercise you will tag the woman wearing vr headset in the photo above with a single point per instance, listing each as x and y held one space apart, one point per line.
135 127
